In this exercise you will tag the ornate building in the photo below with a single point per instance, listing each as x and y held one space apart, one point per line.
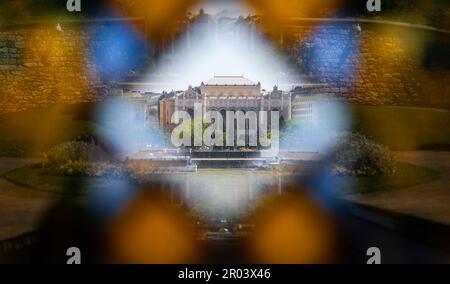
226 93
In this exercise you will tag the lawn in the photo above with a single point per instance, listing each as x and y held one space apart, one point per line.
404 128
406 175
33 132
34 176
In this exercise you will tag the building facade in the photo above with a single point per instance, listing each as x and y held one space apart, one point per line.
225 93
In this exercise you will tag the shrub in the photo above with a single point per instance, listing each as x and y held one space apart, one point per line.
72 158
70 168
359 156
74 151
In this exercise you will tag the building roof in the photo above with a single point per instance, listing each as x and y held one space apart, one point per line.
230 81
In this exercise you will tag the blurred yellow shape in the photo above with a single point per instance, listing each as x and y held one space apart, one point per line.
291 229
152 231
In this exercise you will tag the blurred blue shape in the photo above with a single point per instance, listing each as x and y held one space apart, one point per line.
107 204
116 50
128 128
333 53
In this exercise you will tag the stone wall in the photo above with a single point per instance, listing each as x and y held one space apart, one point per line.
43 66
376 64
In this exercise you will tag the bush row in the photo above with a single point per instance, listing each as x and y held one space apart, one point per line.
356 155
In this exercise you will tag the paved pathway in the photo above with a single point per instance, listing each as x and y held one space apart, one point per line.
20 208
429 201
